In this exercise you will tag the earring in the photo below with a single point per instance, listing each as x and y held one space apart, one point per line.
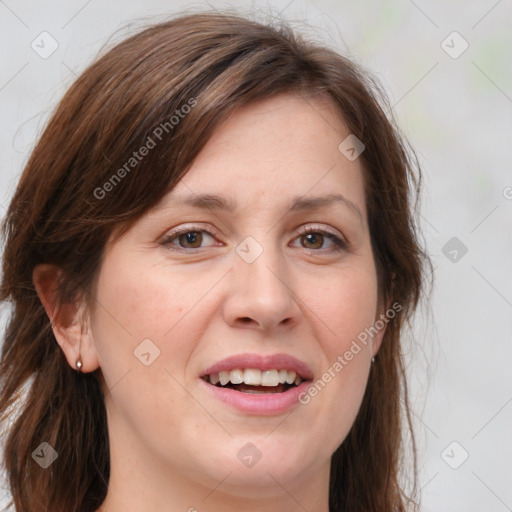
373 359
78 364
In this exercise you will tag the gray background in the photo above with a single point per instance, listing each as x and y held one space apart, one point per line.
457 113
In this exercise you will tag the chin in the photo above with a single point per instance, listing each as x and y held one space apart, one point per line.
257 463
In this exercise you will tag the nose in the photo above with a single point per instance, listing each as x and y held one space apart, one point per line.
261 294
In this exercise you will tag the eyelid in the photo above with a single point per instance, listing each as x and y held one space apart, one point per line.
337 238
189 227
186 228
307 228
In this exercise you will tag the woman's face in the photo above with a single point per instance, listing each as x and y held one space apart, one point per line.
195 289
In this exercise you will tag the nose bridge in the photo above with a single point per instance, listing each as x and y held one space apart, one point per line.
261 287
261 266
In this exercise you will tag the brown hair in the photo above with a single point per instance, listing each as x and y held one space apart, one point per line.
69 202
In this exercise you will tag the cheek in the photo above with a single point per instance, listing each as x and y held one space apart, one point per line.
144 330
346 307
137 303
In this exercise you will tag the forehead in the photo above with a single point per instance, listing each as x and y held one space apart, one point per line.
275 151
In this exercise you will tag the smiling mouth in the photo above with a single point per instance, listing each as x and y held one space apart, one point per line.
254 381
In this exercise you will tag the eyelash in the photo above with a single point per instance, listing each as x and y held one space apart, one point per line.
339 244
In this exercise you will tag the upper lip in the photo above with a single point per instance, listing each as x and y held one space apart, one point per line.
259 362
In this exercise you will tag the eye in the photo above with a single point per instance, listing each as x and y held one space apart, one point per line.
316 238
189 237
193 237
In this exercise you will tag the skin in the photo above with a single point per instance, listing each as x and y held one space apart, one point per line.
173 446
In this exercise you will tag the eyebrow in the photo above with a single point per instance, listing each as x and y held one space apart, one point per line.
297 204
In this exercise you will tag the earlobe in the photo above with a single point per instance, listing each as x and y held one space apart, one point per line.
380 323
68 321
377 341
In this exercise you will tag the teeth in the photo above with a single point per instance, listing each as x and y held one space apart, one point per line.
270 378
224 378
236 376
291 377
254 377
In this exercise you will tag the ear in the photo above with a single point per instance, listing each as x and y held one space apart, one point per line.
380 323
70 322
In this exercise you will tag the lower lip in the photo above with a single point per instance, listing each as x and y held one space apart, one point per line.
262 404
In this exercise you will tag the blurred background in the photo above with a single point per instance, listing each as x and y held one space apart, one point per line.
447 68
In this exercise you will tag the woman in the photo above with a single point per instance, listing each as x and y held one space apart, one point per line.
210 257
